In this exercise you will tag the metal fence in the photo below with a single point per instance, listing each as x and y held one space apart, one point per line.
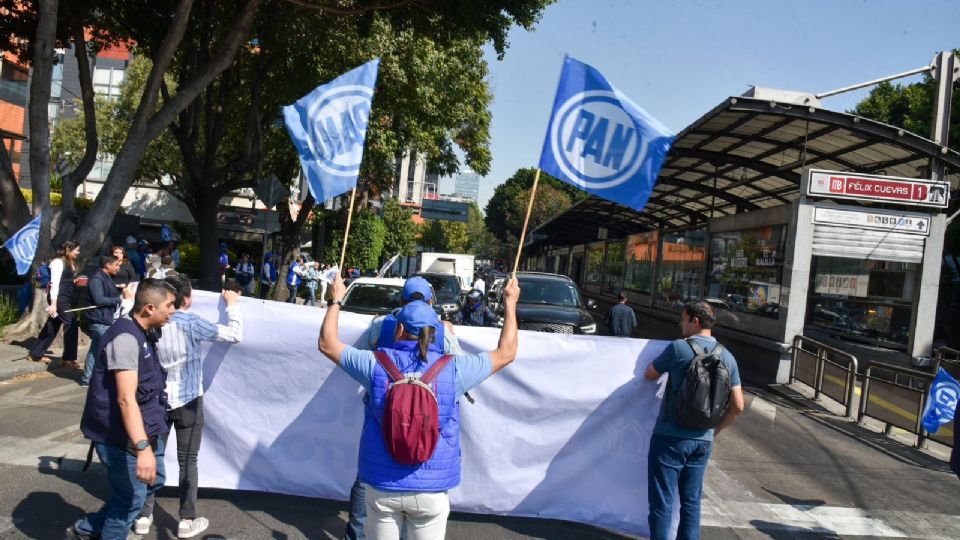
826 369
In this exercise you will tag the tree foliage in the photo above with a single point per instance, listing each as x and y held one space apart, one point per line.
401 231
365 245
507 208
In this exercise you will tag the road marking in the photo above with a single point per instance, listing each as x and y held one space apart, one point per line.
827 520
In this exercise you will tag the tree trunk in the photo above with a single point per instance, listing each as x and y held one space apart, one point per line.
14 210
209 248
42 73
29 325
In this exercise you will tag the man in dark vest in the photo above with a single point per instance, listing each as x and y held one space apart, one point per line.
103 294
125 414
401 496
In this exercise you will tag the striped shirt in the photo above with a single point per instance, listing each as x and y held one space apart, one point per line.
179 350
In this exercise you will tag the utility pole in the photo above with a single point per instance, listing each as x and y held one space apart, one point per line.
945 70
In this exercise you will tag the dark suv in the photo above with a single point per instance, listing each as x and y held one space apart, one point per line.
551 303
446 293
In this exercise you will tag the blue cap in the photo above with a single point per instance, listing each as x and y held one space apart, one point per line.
417 315
414 285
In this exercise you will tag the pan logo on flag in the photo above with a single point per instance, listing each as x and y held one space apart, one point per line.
945 400
339 123
596 140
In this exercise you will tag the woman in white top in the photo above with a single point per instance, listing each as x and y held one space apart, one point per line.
63 271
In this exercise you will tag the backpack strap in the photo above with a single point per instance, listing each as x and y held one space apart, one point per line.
435 369
387 364
697 349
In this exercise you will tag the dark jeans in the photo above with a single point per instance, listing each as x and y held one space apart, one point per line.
49 332
96 334
264 290
357 520
293 293
127 494
675 466
188 421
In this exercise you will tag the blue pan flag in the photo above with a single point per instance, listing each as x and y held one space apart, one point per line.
23 245
941 402
602 142
329 127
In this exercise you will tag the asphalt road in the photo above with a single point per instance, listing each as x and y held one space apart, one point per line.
787 469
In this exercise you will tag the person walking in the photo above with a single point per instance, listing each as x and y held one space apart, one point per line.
63 271
413 497
268 275
678 455
324 283
105 296
179 350
311 277
294 277
621 320
125 417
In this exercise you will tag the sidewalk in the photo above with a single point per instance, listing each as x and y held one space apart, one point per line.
13 362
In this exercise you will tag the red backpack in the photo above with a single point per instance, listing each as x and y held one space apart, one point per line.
411 424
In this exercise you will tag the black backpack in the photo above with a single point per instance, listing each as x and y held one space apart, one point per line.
703 396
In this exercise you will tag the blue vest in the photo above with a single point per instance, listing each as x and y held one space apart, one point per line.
102 421
292 277
388 331
377 467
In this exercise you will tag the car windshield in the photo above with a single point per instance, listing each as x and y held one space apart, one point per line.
549 293
443 284
373 296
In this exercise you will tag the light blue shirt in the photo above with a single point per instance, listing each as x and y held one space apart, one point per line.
472 369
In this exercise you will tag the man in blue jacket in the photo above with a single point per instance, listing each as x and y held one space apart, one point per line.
103 294
401 496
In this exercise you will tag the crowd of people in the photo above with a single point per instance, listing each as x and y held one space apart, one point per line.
144 374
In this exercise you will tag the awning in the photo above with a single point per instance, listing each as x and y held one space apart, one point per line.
748 154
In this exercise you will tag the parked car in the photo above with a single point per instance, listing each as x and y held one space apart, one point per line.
447 297
551 303
373 296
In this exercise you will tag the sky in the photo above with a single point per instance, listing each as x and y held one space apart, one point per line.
679 59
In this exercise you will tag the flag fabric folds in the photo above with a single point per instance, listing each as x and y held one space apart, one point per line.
329 127
941 402
23 245
601 141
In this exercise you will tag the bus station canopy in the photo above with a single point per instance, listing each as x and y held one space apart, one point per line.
748 154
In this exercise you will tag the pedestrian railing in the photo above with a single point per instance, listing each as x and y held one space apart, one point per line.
949 360
897 396
826 369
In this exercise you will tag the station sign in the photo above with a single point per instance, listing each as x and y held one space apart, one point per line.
902 223
868 187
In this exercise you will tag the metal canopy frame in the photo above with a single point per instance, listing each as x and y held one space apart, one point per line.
748 154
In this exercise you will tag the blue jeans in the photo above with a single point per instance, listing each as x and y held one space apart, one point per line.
127 494
96 334
675 466
312 300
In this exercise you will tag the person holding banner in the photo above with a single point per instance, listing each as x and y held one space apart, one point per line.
105 297
62 273
413 497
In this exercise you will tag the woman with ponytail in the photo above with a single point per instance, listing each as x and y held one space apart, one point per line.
63 270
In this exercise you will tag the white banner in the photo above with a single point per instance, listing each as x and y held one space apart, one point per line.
561 433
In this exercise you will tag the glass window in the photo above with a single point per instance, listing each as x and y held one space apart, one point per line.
548 293
594 264
641 256
746 270
681 268
106 81
614 267
864 300
374 297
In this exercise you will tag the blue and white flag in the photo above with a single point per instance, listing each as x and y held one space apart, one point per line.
329 127
165 233
942 401
23 245
601 141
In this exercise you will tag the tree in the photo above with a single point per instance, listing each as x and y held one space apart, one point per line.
482 242
401 231
444 236
504 216
365 244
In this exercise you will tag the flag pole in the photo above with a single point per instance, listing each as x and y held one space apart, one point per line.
346 232
526 220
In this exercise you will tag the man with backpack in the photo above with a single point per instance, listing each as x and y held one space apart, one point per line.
703 396
410 444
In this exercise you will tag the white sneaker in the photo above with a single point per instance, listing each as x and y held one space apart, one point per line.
188 528
142 525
